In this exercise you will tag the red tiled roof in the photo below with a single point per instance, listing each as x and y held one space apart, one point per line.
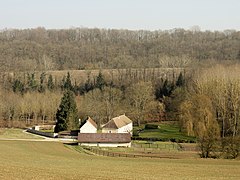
104 137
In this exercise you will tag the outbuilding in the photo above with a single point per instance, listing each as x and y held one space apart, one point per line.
88 126
105 139
120 124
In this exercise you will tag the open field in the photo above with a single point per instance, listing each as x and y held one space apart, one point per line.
16 134
53 160
80 76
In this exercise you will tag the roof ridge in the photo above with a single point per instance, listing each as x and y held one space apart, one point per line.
90 120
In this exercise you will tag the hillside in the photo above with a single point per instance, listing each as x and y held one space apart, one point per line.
41 49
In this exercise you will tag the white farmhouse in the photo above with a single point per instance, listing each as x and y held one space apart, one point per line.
120 124
89 126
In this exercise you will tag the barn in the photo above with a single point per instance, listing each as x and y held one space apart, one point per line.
120 124
105 139
117 132
88 126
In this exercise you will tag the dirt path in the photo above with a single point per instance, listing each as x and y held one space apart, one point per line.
46 139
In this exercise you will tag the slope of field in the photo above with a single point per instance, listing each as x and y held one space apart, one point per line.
16 134
80 76
52 160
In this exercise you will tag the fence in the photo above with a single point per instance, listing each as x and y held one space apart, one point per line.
115 154
164 139
190 148
157 146
67 136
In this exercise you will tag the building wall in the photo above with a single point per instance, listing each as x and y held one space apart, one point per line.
126 129
106 130
88 128
41 127
106 144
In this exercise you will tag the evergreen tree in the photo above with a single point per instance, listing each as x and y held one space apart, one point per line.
50 84
180 80
88 86
85 87
167 88
75 88
67 113
63 82
32 83
67 83
41 86
100 82
18 86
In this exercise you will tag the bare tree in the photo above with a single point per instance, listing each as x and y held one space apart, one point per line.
139 96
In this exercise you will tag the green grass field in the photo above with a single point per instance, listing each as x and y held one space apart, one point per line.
16 134
53 160
166 131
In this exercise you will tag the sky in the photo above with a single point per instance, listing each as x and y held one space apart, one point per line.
121 14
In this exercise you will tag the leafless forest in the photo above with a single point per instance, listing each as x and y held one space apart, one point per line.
81 48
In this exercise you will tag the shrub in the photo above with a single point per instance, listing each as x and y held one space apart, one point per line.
191 141
151 126
208 146
135 133
231 147
180 141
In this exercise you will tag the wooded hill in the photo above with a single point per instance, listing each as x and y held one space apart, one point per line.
82 48
149 75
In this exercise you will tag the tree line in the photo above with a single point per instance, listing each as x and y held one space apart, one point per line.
208 108
43 49
26 98
18 110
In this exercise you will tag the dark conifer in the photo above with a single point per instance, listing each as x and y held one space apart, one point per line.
50 84
66 115
32 83
18 86
41 86
100 82
180 80
68 84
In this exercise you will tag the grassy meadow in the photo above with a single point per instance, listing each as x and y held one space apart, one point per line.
16 134
165 131
53 160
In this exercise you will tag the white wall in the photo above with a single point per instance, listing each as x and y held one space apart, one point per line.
88 128
106 130
36 128
126 129
106 144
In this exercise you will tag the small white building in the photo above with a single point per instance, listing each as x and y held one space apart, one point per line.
89 126
120 124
